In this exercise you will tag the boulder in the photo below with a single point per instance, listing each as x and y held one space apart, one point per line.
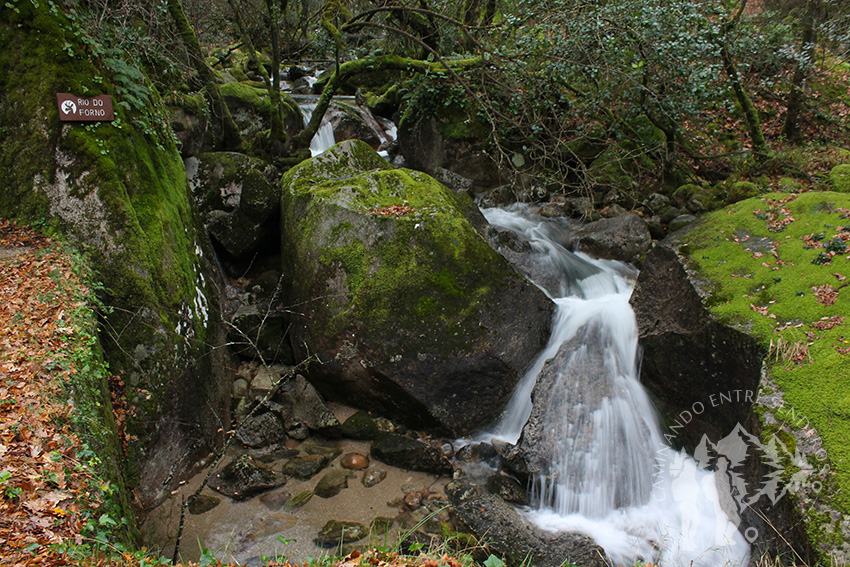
508 489
509 535
254 327
411 313
236 198
688 356
359 426
406 453
261 430
251 109
189 119
625 238
243 478
299 403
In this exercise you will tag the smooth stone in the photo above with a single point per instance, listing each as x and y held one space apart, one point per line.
360 427
354 461
304 466
298 500
331 483
274 501
380 525
240 388
335 532
315 447
203 503
373 477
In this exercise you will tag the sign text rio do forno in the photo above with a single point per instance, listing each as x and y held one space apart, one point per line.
74 108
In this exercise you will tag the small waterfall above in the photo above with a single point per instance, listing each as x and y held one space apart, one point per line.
324 137
587 431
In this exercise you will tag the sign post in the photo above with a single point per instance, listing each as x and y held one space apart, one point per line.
74 108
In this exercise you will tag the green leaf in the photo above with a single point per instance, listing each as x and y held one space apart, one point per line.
493 561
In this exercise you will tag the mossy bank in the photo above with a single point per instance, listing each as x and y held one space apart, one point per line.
119 190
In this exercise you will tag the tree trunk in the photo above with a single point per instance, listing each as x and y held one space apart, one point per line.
278 136
794 106
229 137
751 116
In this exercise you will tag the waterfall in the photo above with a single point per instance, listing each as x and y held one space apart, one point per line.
605 469
324 137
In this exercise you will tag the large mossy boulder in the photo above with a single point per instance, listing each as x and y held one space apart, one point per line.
252 111
742 321
118 189
408 309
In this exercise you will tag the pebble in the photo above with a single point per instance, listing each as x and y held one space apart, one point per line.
373 477
355 461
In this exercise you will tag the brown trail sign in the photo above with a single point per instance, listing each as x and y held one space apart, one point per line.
74 108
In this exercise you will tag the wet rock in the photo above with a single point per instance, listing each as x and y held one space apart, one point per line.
380 525
403 452
240 388
359 426
336 532
511 536
203 503
402 341
413 499
243 478
625 238
304 466
508 489
373 477
267 330
260 430
298 500
326 449
331 483
478 453
354 461
300 403
274 501
276 452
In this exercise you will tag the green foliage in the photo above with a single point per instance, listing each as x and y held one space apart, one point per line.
839 178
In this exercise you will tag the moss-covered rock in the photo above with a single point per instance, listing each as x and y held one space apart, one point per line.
118 189
839 178
741 190
189 118
410 311
251 107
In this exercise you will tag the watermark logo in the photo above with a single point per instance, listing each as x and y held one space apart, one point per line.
725 477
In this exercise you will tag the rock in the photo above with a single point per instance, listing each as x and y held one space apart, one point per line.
839 178
508 489
264 381
267 331
687 354
304 466
681 222
260 430
359 426
331 483
373 476
402 328
478 453
512 537
657 201
336 532
236 198
203 503
354 461
353 122
328 450
403 452
251 109
625 238
240 388
300 403
413 499
274 501
380 525
243 478
298 500
188 116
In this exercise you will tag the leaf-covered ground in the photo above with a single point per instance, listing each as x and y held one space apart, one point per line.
779 266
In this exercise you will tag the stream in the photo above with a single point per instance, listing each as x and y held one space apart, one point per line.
610 474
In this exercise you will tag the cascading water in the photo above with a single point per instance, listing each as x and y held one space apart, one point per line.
605 469
324 137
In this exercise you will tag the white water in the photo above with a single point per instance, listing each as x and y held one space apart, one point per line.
324 137
609 472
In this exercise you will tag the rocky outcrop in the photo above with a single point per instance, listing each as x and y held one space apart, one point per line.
689 357
507 534
409 310
625 238
236 198
119 191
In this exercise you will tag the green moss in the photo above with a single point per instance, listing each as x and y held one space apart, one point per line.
839 178
741 190
758 258
406 256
